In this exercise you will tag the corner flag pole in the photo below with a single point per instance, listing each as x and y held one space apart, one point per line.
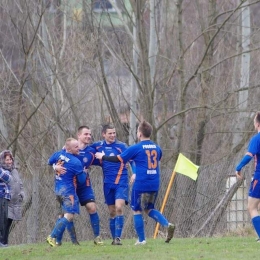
164 202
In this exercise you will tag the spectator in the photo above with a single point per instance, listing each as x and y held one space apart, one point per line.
5 178
16 192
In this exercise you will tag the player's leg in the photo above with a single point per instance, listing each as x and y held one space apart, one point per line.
60 215
138 217
119 218
70 226
72 232
252 205
94 221
87 199
58 231
121 199
70 205
148 200
109 195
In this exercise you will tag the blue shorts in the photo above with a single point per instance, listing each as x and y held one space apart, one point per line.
254 190
70 204
86 195
112 192
143 200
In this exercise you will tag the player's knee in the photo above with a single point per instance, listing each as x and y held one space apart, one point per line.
69 216
91 208
147 211
119 211
112 213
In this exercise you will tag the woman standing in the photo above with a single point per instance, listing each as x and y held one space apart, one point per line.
5 178
16 191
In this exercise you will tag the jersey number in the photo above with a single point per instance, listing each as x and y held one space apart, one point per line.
151 158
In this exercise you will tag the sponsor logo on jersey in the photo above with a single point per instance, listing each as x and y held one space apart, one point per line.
148 146
64 158
151 172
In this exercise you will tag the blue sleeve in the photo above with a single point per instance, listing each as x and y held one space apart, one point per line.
81 178
53 159
253 146
246 159
94 145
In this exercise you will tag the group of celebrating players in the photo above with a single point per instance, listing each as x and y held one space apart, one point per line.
73 185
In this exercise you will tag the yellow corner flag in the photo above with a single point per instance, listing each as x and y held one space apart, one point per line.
186 167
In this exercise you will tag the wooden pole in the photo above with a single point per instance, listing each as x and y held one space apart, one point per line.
164 202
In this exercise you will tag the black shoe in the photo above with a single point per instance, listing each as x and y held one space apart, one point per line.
116 242
171 229
75 243
3 245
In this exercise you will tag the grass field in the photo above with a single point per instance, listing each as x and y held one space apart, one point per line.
178 249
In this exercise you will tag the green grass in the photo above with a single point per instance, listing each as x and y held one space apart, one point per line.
178 249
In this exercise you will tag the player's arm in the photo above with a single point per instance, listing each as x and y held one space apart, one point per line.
81 178
53 159
245 160
59 168
102 156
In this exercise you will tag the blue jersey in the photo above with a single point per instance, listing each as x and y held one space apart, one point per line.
87 157
65 184
146 155
254 150
113 172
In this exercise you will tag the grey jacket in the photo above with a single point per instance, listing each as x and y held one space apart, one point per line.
17 196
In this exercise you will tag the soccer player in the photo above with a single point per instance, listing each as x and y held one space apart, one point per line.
65 187
85 191
146 156
254 190
115 181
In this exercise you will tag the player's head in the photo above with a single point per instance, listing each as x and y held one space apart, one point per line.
257 121
144 130
72 146
84 134
109 133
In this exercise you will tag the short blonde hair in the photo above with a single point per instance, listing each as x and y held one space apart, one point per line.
68 142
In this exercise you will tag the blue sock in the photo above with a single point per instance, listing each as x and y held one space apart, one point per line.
94 220
59 228
53 233
256 224
112 227
119 223
72 232
59 237
158 217
139 227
